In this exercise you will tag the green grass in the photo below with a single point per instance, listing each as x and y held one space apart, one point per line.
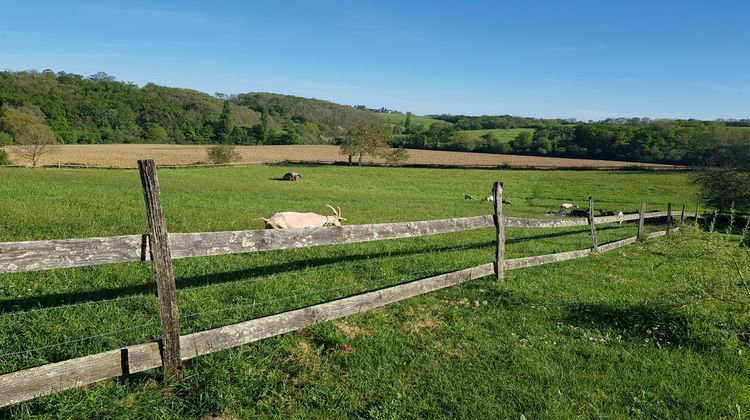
570 339
416 120
504 135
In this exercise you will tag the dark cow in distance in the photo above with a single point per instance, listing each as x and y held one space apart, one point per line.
292 176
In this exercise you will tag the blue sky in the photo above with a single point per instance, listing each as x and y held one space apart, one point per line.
577 59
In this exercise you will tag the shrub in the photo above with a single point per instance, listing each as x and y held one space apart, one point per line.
397 155
222 153
4 160
5 139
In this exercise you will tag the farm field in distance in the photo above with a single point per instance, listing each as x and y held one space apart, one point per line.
627 333
504 135
126 155
400 119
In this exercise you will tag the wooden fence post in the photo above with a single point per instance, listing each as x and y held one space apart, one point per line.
682 214
669 217
695 221
593 225
497 195
165 285
640 221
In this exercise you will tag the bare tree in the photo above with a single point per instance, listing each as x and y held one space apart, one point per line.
32 136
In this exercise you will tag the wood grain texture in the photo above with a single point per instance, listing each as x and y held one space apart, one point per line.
669 217
641 217
67 253
165 285
546 259
592 223
186 245
499 221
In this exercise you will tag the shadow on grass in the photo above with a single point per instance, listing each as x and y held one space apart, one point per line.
653 324
61 299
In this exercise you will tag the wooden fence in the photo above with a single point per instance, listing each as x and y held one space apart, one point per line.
161 247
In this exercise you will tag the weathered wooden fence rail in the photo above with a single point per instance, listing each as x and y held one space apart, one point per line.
67 253
160 247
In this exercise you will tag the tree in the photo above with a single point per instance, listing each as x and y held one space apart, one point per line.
724 176
522 142
407 123
264 129
31 134
155 133
365 138
224 125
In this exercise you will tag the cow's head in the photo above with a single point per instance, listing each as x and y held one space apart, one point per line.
336 218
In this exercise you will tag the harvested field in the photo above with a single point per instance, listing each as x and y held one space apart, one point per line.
125 156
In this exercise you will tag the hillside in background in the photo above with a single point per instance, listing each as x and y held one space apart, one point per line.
100 109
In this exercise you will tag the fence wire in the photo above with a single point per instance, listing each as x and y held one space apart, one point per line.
253 305
78 340
295 296
389 257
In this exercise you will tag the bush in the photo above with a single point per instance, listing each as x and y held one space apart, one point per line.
222 153
5 139
4 160
397 155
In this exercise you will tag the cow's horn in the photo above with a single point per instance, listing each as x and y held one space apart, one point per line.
332 209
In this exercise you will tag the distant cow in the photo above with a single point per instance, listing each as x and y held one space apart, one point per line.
568 206
292 176
469 197
294 220
578 213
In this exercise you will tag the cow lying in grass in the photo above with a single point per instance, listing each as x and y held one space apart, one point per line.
294 220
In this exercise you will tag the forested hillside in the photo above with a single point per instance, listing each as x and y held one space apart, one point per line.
100 109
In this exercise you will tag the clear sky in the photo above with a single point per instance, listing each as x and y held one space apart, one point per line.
579 59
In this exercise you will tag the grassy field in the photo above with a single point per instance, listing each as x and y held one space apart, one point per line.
635 332
126 155
504 135
416 120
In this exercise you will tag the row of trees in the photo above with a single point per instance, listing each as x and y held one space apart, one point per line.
685 142
490 122
679 142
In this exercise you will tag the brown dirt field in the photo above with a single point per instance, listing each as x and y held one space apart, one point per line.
126 155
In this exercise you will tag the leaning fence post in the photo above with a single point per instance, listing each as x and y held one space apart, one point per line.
593 226
165 285
682 214
669 217
640 220
497 195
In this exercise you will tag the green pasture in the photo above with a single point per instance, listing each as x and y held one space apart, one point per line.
650 330
400 119
504 135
